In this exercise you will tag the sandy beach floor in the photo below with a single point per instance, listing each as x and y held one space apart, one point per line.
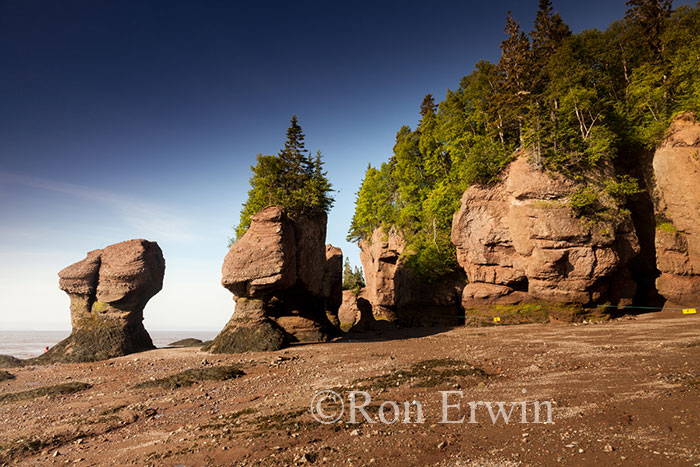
625 392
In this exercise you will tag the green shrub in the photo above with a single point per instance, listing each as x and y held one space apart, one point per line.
584 201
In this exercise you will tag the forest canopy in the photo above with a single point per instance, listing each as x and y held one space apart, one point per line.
293 179
572 102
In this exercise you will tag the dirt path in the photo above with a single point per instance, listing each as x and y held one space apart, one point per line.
622 393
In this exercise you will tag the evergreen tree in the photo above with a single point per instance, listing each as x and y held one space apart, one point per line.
292 179
352 279
428 105
515 71
651 16
570 101
548 33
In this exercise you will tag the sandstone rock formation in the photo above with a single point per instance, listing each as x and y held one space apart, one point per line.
333 283
276 273
676 193
518 241
356 316
108 291
396 294
383 271
353 309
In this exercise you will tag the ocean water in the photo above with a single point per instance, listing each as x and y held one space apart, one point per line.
25 344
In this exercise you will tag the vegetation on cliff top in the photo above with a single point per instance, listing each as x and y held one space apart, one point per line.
573 102
293 179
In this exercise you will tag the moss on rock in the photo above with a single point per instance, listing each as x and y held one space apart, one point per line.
189 342
98 338
192 376
261 336
59 389
529 313
8 361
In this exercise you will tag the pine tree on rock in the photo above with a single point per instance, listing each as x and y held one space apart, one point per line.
293 179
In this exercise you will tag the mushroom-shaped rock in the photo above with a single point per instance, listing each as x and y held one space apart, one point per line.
108 291
276 273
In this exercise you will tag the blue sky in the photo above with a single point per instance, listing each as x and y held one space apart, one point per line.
140 119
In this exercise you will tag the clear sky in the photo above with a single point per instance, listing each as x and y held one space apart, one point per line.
128 119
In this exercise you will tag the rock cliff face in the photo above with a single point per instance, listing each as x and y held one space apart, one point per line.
676 194
384 274
356 316
108 291
396 295
518 241
276 273
355 308
333 283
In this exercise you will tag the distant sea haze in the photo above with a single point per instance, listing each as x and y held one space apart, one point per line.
26 344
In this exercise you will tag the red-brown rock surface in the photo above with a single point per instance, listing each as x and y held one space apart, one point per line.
396 294
357 319
350 313
333 282
519 241
383 271
279 265
676 177
108 291
264 260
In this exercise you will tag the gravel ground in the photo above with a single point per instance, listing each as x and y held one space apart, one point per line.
624 392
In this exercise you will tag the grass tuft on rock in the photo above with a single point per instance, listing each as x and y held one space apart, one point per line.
192 376
57 390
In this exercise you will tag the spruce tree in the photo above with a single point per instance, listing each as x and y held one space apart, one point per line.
514 68
651 16
548 33
428 105
292 179
352 279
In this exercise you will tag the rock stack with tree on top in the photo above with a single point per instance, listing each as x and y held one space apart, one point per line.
277 269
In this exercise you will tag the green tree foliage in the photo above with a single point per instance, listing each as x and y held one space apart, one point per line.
352 278
513 92
573 102
293 179
651 18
